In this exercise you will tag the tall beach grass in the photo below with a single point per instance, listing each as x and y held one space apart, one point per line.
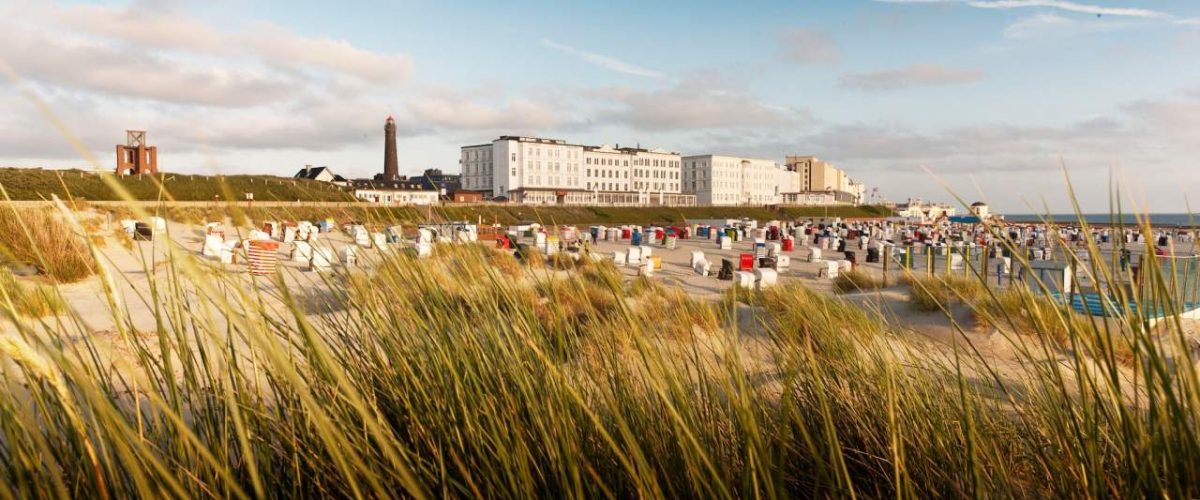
472 374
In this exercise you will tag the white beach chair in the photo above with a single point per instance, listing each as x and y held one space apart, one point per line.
301 251
347 256
212 246
744 279
322 259
765 278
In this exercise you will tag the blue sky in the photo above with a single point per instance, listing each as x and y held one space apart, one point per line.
986 97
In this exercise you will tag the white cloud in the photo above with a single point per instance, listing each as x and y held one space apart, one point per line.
605 62
917 75
190 82
1015 161
1063 5
689 106
805 45
1051 25
65 61
453 110
1068 6
171 31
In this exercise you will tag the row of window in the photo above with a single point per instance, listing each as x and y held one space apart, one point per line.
536 180
537 165
608 186
550 153
608 174
656 186
656 174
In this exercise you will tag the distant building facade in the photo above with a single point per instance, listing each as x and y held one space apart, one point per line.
981 210
464 196
444 184
552 171
732 181
926 212
397 192
817 175
809 199
136 156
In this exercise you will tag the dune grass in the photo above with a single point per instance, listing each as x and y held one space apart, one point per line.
468 374
40 238
929 293
856 280
31 300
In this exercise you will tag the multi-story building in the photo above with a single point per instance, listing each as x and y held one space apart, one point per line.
655 171
525 170
477 164
817 175
552 171
730 180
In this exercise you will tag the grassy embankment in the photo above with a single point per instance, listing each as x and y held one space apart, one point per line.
470 374
38 184
509 214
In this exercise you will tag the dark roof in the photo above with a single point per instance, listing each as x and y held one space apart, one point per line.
310 172
434 179
979 204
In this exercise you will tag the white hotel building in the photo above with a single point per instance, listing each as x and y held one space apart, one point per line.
730 180
551 171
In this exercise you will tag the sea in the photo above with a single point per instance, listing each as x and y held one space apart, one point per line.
1157 220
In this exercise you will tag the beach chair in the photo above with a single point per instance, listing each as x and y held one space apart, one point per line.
765 278
744 279
212 246
322 259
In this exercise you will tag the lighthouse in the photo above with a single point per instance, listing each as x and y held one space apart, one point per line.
391 167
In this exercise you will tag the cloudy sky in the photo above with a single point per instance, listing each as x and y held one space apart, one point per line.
987 97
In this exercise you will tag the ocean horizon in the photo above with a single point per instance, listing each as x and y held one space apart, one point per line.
1158 219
